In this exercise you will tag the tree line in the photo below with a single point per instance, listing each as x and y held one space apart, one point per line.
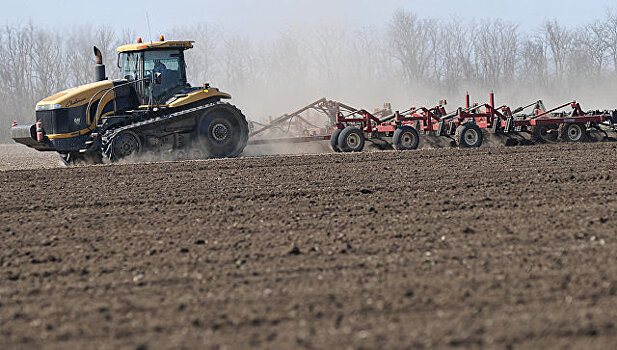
407 60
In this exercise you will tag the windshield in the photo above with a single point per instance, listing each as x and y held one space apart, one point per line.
171 66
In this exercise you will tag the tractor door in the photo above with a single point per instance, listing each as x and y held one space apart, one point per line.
132 70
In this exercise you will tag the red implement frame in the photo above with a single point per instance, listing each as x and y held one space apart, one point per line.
427 121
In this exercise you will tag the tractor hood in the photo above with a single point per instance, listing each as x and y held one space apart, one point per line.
74 97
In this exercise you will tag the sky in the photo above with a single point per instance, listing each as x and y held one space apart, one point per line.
256 18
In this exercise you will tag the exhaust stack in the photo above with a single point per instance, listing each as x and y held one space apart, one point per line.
99 68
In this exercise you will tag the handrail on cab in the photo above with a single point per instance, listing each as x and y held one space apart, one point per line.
107 91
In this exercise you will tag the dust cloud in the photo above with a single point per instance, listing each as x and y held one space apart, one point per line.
406 61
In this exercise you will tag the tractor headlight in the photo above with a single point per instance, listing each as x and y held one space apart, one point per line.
47 107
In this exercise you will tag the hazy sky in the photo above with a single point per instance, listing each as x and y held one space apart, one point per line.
265 17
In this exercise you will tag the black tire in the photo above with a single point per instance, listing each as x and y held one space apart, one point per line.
468 135
351 139
222 131
573 132
405 138
543 134
334 140
124 145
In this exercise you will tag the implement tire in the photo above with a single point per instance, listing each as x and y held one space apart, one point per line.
468 135
351 139
405 138
334 140
573 132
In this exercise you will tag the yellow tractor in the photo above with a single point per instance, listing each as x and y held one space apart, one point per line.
151 108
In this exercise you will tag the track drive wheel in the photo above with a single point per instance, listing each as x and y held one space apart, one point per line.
468 135
351 139
334 140
222 131
573 132
543 134
125 144
405 138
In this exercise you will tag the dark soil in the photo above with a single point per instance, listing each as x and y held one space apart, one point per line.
511 248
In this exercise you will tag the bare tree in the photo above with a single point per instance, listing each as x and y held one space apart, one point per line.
591 40
559 40
496 45
17 71
456 54
46 64
610 36
329 47
236 55
533 68
371 58
413 44
285 61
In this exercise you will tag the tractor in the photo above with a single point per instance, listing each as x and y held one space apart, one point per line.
152 107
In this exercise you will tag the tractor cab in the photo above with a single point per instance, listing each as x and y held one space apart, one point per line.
163 59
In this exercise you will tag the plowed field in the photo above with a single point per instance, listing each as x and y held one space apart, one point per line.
487 248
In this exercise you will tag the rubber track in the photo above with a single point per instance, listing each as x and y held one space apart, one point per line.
109 135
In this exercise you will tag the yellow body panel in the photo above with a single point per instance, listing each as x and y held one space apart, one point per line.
198 96
156 45
104 97
77 96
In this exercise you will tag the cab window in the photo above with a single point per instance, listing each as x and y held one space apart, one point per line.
170 64
131 69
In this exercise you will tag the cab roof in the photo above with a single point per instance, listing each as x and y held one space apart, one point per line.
155 45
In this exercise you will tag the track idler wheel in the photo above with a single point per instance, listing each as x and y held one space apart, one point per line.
351 139
124 145
223 131
405 138
334 140
573 132
468 135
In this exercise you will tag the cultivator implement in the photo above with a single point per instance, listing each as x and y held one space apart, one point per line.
349 129
313 122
